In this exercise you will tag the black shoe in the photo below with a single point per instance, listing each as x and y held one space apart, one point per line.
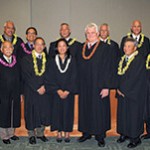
84 138
59 140
14 138
42 138
101 143
134 144
32 140
145 136
122 139
67 140
6 141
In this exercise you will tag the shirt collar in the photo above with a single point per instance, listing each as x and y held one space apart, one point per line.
137 37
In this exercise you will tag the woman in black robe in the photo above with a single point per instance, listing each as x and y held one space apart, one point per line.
61 81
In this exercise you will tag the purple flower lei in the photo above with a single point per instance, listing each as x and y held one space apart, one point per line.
9 65
25 50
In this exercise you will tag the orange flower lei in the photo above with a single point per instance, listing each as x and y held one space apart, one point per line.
92 53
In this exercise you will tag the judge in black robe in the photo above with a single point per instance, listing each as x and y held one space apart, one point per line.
63 109
73 43
37 106
9 35
10 113
31 34
132 92
136 33
115 54
94 75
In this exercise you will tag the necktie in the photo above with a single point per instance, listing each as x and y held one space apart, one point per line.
9 60
90 45
39 56
31 46
126 59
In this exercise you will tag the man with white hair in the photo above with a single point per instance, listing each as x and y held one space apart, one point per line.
9 35
94 103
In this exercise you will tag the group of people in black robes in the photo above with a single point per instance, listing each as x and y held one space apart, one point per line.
49 81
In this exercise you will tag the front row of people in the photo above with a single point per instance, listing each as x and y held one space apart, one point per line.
49 87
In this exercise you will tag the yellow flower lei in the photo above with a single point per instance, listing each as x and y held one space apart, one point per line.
72 41
37 73
14 41
108 40
141 41
147 62
121 70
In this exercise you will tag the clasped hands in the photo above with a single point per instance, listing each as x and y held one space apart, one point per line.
62 94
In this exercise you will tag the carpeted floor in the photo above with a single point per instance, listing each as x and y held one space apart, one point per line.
111 144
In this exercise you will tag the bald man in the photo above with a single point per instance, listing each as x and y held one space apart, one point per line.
136 33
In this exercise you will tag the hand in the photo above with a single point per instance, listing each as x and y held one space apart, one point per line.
104 93
120 93
60 93
41 90
66 93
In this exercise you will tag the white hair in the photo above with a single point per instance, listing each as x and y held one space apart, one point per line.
92 25
9 21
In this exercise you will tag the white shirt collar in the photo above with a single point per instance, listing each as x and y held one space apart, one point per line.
6 58
136 36
67 39
37 54
91 43
104 40
130 55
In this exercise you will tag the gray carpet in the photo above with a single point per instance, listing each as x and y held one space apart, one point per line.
111 144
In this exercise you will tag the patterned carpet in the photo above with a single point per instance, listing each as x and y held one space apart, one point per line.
111 144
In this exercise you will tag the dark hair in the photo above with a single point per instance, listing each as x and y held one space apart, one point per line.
62 40
64 24
39 38
35 30
131 40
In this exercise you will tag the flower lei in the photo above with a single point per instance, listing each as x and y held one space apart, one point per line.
58 64
92 53
37 73
25 49
141 41
72 41
121 70
14 40
108 40
9 65
147 62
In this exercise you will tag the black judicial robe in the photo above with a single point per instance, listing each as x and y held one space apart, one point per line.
10 112
144 50
62 109
37 107
17 46
114 58
94 75
133 84
74 48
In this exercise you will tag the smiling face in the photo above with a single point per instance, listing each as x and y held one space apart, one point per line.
31 35
129 48
7 48
9 29
62 48
65 31
136 27
91 34
104 31
39 45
